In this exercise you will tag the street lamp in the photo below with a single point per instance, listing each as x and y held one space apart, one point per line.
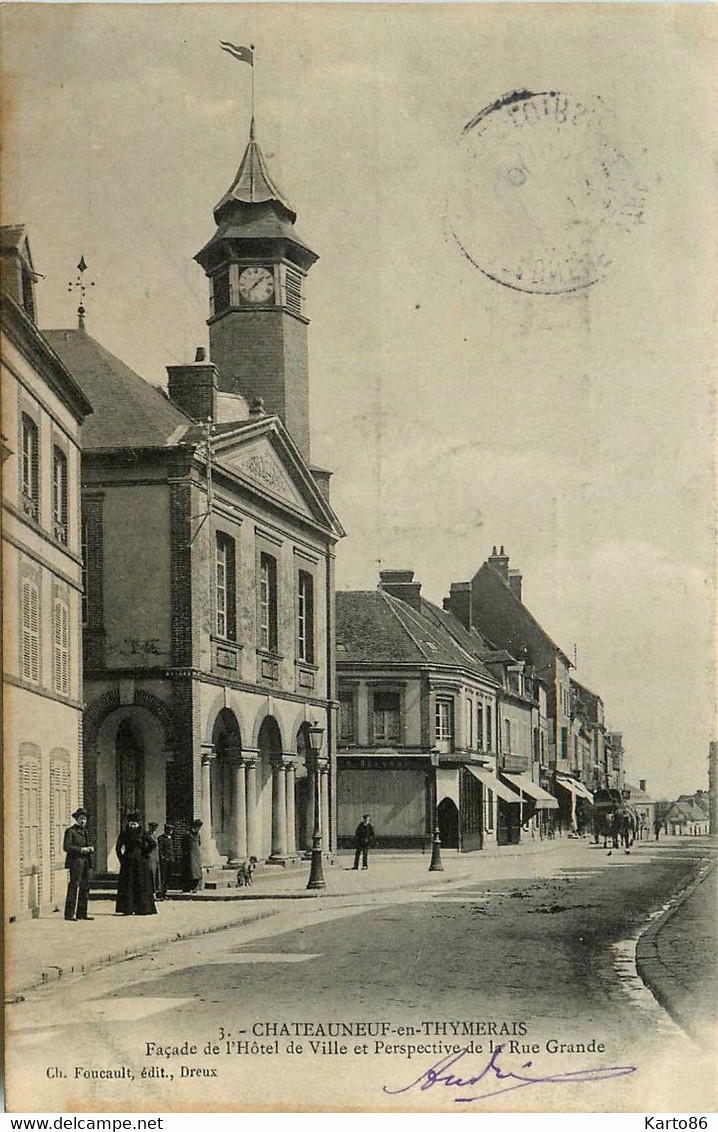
316 873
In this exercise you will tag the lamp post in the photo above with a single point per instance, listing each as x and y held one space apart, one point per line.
316 872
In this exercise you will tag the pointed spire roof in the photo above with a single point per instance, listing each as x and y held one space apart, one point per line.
253 183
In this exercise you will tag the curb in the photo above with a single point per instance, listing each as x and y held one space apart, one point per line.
53 973
653 970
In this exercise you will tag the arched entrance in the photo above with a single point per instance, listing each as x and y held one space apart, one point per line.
227 746
448 815
130 765
303 797
269 745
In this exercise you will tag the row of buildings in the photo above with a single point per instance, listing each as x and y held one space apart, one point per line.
173 639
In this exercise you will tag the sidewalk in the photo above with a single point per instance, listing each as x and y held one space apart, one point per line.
43 950
676 958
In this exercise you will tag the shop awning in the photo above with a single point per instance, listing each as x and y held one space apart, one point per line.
492 782
575 787
544 800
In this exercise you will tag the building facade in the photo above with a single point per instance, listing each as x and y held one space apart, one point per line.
209 548
428 716
42 410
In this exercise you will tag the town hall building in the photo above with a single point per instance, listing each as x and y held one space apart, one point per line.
209 544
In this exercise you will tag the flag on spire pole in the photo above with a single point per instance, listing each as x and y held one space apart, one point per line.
244 54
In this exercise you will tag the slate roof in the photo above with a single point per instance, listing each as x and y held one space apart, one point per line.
11 236
637 795
128 411
253 183
522 610
374 627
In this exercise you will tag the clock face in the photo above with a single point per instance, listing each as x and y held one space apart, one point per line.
256 284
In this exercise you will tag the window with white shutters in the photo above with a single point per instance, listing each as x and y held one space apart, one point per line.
30 806
30 616
59 802
61 647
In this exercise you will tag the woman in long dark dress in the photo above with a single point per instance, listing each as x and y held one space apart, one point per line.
135 891
192 863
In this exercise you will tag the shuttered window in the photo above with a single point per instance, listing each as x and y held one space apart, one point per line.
29 467
59 495
30 810
30 615
59 802
61 647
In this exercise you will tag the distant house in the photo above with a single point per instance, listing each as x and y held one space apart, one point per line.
689 815
643 804
428 722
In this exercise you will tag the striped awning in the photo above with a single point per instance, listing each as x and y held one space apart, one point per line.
489 779
575 787
544 800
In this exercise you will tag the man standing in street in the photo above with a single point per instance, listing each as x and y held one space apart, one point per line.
167 861
363 838
78 862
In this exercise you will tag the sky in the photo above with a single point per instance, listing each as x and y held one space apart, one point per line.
576 429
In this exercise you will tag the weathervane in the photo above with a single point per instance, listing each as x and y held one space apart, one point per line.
82 288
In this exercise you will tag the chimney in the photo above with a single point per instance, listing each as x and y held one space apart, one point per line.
500 562
515 583
401 584
459 603
321 478
642 785
194 387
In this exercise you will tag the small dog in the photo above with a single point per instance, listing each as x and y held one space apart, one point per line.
244 873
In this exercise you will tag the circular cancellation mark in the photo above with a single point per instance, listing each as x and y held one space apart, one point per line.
544 194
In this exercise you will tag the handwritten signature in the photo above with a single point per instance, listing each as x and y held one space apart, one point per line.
493 1073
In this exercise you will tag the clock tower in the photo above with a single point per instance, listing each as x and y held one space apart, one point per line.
257 264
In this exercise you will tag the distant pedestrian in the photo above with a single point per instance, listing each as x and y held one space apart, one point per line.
657 827
153 857
135 891
363 839
78 862
166 854
192 862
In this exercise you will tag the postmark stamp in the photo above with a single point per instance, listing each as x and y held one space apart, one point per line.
544 193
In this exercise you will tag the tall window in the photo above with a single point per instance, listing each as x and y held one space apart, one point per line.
507 734
564 742
305 617
268 602
30 659
489 738
59 494
387 727
480 726
346 715
444 723
29 458
84 537
224 588
61 647
469 724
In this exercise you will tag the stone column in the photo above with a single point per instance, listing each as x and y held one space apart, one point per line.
238 820
251 800
325 804
309 830
279 812
291 810
210 854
